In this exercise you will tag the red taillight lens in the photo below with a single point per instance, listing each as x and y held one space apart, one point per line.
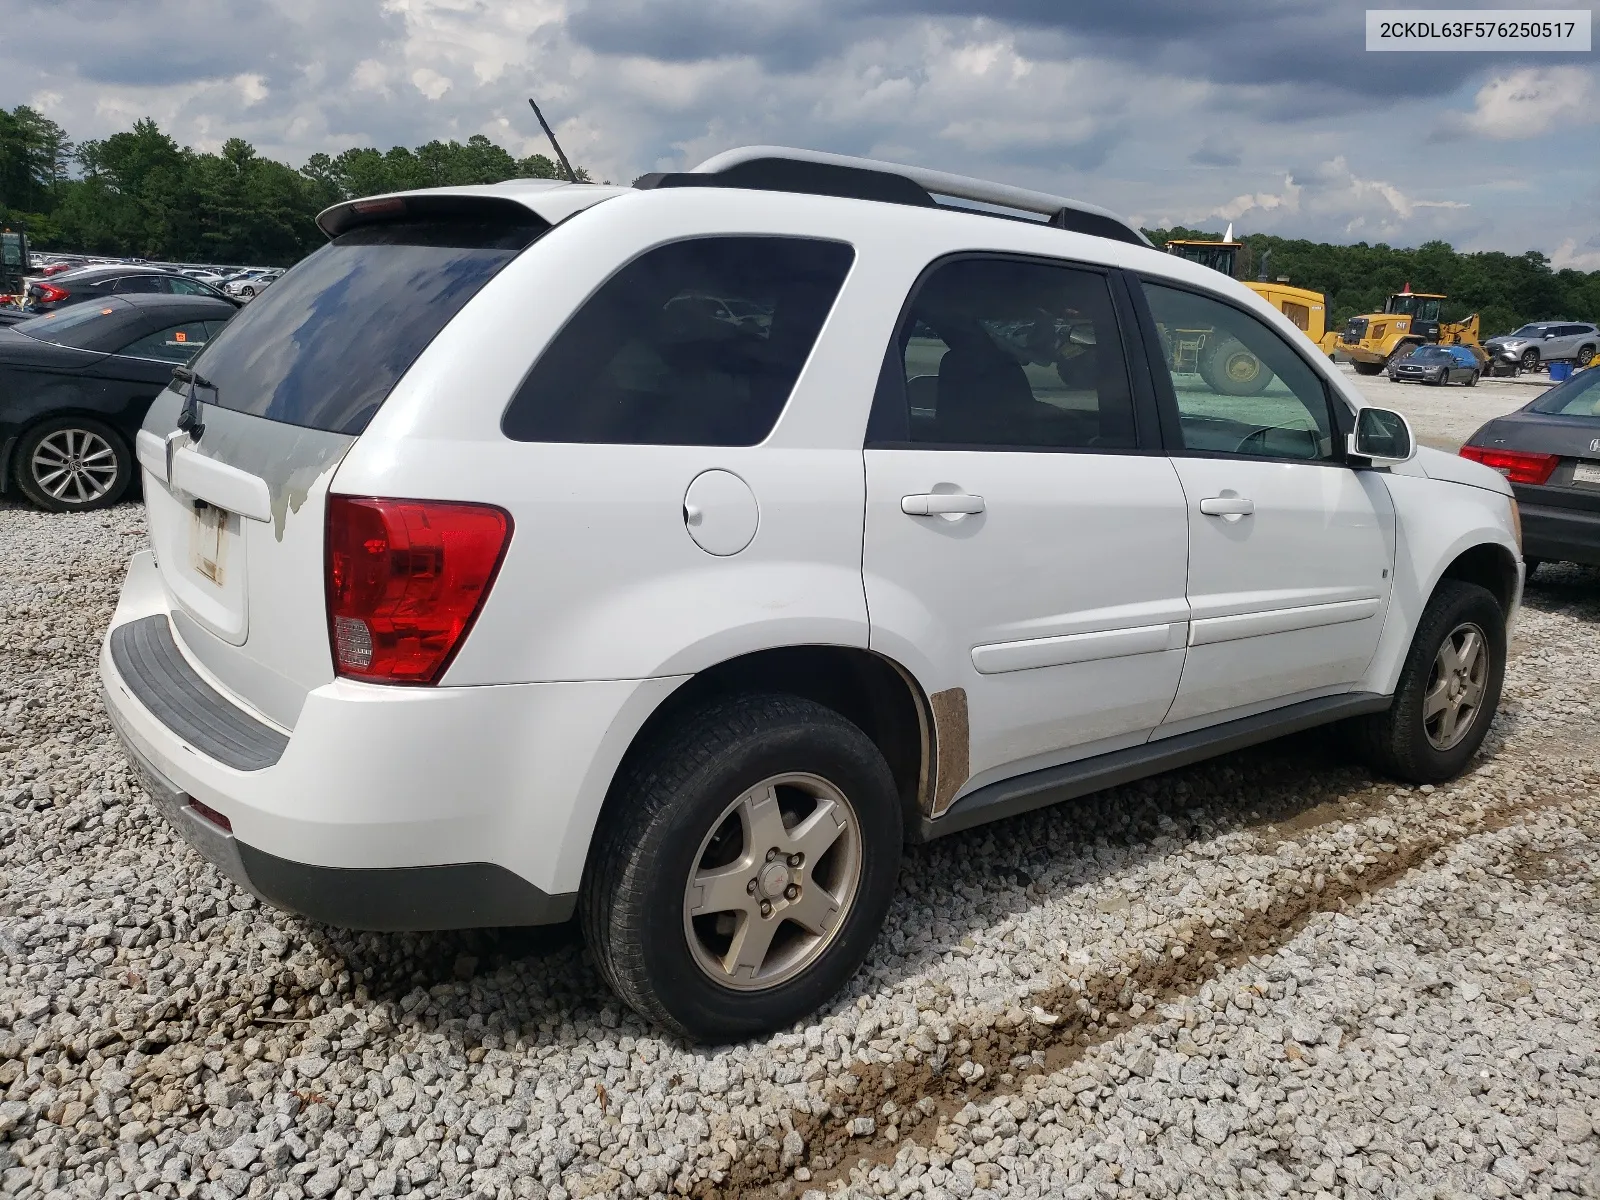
48 293
1516 465
406 579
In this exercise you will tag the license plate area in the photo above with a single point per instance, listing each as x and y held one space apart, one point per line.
211 535
1586 473
200 550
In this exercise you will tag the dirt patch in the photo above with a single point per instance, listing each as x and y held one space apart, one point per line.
1066 1021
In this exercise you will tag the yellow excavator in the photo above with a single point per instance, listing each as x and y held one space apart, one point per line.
1408 320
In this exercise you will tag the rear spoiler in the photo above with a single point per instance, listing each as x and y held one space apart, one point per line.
424 207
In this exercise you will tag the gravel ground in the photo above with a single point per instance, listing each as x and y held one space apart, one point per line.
1267 975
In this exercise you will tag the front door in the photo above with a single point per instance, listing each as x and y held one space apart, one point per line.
1290 550
1025 549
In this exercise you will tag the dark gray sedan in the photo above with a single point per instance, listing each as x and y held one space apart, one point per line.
1437 365
1550 451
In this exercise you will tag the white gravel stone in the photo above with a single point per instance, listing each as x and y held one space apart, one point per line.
162 1032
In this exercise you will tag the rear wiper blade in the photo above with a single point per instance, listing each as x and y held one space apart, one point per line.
188 375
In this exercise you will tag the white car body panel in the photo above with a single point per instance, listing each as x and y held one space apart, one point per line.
1077 632
1288 599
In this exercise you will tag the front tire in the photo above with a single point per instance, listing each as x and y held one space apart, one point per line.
72 464
1448 691
1530 359
744 867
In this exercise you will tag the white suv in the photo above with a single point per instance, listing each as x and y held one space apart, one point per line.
673 554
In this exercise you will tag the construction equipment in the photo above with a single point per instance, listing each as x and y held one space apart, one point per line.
1227 366
1408 320
1308 310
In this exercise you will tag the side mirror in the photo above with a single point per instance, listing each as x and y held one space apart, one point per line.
1382 437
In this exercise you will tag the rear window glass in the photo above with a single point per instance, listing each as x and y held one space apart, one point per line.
324 345
1578 397
81 326
696 343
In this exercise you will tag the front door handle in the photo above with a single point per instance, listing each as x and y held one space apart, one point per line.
934 504
1227 506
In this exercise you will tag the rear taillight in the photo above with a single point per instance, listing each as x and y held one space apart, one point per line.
1518 466
48 293
406 579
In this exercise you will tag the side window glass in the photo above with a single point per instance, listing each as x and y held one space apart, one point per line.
182 287
696 343
176 344
1241 388
138 283
1008 354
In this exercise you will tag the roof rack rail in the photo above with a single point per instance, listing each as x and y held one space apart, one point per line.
788 169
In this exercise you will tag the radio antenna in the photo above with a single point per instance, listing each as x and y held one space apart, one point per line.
572 175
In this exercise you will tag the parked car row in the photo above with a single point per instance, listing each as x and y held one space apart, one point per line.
76 382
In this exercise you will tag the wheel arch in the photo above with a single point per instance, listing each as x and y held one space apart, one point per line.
873 692
1489 565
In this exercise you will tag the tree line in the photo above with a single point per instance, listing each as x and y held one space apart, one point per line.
140 194
1505 290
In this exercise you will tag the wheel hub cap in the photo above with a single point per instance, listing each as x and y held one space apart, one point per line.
772 882
1456 686
76 466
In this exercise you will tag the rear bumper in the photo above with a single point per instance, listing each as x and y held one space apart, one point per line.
456 896
1560 534
384 807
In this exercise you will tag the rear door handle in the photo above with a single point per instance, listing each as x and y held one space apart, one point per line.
935 504
1227 506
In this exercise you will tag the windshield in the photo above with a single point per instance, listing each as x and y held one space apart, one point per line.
1432 354
1530 331
325 344
1578 397
80 326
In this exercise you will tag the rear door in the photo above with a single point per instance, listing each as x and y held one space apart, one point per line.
236 499
1290 550
1025 535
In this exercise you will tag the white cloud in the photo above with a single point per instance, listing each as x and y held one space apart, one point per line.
1527 103
1567 256
430 83
1330 193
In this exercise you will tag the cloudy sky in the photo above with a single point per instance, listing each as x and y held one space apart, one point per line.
1266 113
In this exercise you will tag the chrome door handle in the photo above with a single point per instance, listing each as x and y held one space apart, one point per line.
1227 506
936 504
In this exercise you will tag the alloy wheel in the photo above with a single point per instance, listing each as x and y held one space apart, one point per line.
1454 695
772 882
75 466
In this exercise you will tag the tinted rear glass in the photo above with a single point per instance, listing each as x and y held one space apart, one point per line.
97 325
1578 397
696 343
323 346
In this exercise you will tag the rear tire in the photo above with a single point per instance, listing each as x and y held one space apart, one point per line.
1585 356
72 464
1472 380
1416 740
695 805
